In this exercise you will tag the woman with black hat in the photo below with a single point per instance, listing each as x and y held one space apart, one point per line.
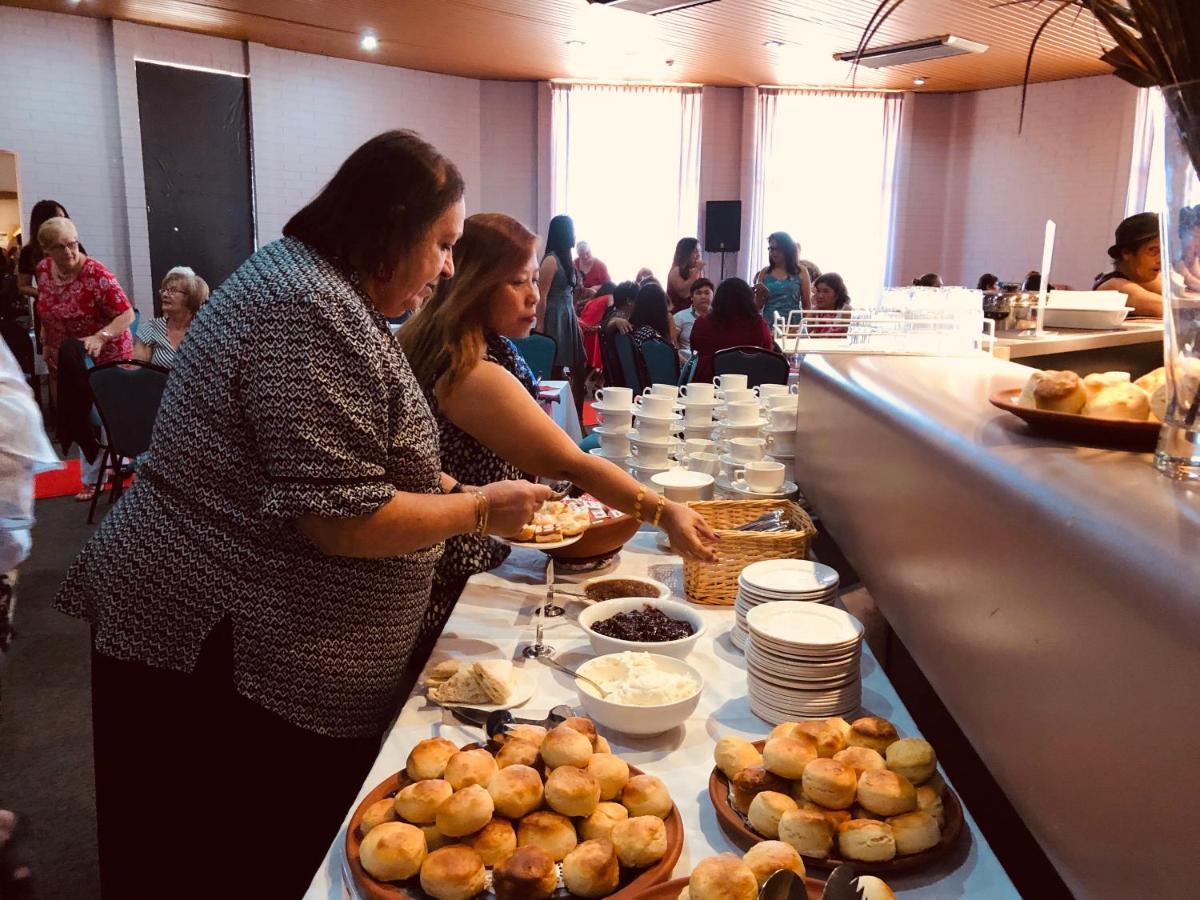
1137 261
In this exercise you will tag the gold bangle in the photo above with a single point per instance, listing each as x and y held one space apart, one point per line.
658 509
637 504
487 513
481 512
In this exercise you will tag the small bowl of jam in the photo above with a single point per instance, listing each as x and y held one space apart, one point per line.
648 624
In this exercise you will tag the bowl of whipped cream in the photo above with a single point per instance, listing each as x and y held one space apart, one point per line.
644 693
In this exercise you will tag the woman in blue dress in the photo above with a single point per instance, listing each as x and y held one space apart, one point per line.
556 309
783 284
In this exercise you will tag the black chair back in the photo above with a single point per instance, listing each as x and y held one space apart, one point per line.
127 394
758 365
627 358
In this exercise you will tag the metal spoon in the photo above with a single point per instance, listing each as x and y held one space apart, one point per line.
555 664
500 721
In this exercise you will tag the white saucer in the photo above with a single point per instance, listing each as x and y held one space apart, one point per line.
674 418
741 487
599 451
612 409
790 576
648 470
635 437
600 429
744 426
825 629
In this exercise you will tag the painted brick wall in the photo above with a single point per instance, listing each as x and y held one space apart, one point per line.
508 118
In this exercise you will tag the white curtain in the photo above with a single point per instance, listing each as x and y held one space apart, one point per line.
625 166
824 172
1147 176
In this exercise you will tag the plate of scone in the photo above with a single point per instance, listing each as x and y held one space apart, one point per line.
733 877
457 823
485 684
837 792
556 524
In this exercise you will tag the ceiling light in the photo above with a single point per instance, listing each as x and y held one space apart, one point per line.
369 41
772 43
918 81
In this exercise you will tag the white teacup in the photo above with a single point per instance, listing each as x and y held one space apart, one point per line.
726 382
746 449
614 445
682 485
708 463
657 430
744 412
782 441
782 417
614 397
698 414
737 395
654 405
699 432
782 401
650 453
662 390
616 420
767 391
762 477
698 391
699 445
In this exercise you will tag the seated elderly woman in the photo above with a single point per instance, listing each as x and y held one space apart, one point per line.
1137 265
734 322
182 292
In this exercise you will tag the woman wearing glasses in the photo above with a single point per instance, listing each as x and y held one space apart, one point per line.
182 291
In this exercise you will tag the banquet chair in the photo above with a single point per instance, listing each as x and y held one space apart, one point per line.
127 394
628 362
758 365
685 377
662 362
538 351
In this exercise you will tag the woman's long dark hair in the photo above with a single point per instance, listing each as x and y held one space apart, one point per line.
382 200
834 280
733 301
650 308
560 238
43 210
683 252
791 251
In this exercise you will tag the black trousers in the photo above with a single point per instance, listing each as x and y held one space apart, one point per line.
202 793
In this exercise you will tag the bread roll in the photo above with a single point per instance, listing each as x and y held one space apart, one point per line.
783 729
841 725
646 795
418 803
866 840
757 779
428 758
685 894
1152 381
1098 382
787 756
873 733
1125 401
528 874
611 773
808 831
599 825
393 851
553 833
584 726
516 791
766 810
767 857
723 877
741 799
930 801
453 873
1058 391
564 746
732 754
602 744
913 758
494 841
861 812
517 753
871 888
1158 403
533 734
914 832
572 792
640 841
434 839
591 869
376 814
468 767
860 759
465 812
829 783
886 793
829 737
834 817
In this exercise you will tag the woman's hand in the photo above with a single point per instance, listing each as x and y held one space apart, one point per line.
690 535
512 505
94 343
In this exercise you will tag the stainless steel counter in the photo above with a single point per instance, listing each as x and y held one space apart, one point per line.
1050 594
1135 347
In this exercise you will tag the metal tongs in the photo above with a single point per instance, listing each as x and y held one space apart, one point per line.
771 522
498 722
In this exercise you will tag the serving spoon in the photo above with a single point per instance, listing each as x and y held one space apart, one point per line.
555 664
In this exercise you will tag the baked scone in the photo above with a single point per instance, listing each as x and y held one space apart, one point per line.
534 734
434 839
787 756
584 726
376 814
1158 403
1124 401
886 793
1057 391
572 792
757 779
914 832
393 851
646 795
442 672
783 729
553 833
930 801
516 791
592 869
564 746
1152 381
767 857
913 758
495 676
462 687
829 783
871 888
465 812
611 773
640 841
808 831
468 767
841 725
861 812
723 877
599 825
732 754
866 840
1101 381
528 874
517 753
418 803
602 745
765 811
829 737
873 733
494 842
428 758
453 873
834 817
860 759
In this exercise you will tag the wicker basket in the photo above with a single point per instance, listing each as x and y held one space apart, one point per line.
716 583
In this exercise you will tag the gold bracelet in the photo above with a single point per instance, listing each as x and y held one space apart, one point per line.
487 513
658 509
637 504
481 512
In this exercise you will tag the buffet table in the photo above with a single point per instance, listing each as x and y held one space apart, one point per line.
1050 593
494 618
1135 347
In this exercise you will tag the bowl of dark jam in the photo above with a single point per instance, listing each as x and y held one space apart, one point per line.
648 624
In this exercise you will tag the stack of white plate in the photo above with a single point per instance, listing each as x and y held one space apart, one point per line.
802 661
781 579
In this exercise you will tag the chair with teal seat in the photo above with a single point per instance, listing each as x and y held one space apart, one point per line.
539 351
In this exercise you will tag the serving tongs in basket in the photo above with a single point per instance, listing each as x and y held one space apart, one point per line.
772 522
501 720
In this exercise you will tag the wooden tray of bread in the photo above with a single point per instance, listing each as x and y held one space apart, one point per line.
909 824
1074 428
524 835
670 890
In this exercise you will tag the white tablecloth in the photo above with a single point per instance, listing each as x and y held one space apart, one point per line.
562 409
494 618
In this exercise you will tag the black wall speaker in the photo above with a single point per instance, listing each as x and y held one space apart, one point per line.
723 226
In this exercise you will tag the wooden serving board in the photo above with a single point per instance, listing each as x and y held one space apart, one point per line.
1118 434
738 830
669 890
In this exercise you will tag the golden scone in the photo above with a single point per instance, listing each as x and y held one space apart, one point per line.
860 759
872 888
914 832
564 746
602 745
873 733
723 877
418 803
434 839
591 869
534 734
529 874
886 793
553 833
1152 381
732 754
428 758
841 725
1056 391
685 894
572 792
465 812
1125 401
741 799
376 814
493 842
599 825
930 801
829 783
808 831
640 841
829 737
765 811
393 851
787 756
453 873
835 817
767 857
516 791
611 773
861 812
866 840
517 753
913 758
468 767
646 795
584 726
757 779
1096 382
783 729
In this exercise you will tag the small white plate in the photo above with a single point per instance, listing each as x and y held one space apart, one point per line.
612 409
805 625
551 545
523 687
790 576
